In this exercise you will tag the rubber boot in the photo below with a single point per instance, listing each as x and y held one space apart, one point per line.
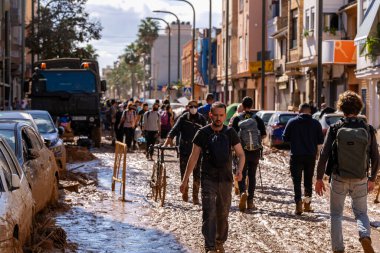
367 245
299 209
196 185
243 202
185 195
219 247
250 204
307 205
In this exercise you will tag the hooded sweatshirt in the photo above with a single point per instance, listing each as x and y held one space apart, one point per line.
304 134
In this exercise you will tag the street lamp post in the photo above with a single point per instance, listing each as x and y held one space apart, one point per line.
319 52
179 40
209 46
193 47
169 47
227 47
263 41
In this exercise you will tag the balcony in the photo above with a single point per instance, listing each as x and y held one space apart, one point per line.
282 22
279 66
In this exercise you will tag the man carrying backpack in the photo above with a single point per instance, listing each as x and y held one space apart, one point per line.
214 142
350 148
304 134
186 127
251 130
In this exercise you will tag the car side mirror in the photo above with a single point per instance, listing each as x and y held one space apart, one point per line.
61 130
103 85
16 182
33 154
47 142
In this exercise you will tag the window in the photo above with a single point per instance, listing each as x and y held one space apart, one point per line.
6 169
331 22
2 189
307 20
246 47
240 49
312 18
294 36
9 160
241 5
35 139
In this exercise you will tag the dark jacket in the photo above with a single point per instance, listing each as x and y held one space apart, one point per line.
186 127
304 134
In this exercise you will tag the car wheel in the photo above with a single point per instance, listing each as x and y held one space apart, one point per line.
55 191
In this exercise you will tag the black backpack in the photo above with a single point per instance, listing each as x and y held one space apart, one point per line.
218 148
351 139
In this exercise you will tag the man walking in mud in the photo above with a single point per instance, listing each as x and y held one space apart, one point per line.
214 142
186 127
251 131
349 149
304 134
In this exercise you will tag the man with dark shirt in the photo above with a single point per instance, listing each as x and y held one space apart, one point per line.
346 175
304 134
252 157
205 109
214 142
186 127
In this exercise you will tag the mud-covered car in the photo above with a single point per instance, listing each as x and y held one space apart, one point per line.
50 134
36 160
16 202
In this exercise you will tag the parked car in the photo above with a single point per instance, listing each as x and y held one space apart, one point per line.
18 116
328 119
276 126
35 159
16 202
51 135
265 115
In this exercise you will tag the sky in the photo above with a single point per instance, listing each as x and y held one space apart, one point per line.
120 20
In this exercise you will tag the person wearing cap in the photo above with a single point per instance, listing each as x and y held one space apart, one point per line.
205 109
304 134
119 134
186 127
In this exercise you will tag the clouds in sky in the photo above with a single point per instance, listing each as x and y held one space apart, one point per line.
120 20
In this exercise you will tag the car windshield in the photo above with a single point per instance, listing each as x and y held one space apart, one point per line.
9 136
333 119
44 123
266 117
285 118
68 81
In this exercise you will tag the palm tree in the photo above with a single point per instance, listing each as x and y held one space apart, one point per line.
132 59
147 34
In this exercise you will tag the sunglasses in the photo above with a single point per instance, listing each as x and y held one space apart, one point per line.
193 106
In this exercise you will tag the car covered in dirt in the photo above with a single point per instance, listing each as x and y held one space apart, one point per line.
50 134
35 159
276 126
16 202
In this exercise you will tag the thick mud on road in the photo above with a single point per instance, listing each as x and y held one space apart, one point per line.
99 222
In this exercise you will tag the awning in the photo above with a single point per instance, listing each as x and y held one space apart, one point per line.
369 19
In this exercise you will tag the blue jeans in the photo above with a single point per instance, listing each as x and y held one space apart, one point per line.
357 189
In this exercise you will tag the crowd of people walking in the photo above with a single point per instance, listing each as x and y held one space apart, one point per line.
348 156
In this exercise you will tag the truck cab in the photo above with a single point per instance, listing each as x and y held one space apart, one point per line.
69 87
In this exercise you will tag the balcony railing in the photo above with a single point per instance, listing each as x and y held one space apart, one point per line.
281 22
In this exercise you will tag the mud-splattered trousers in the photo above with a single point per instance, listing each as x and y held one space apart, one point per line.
151 138
305 163
216 203
250 168
357 189
183 159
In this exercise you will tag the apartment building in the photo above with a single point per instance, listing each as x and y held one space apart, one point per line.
13 68
160 57
368 57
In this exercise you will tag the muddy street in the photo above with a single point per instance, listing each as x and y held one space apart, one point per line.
99 222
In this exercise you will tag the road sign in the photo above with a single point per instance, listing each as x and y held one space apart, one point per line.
187 91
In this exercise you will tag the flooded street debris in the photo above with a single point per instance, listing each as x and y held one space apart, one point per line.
96 220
